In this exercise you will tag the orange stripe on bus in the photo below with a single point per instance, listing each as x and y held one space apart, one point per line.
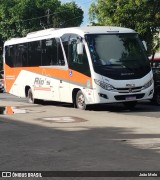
54 72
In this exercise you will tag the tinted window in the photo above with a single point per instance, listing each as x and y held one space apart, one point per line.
116 49
60 54
118 56
65 40
76 61
52 52
21 55
49 52
10 55
34 53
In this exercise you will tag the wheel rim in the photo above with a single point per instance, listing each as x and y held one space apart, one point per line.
80 101
30 97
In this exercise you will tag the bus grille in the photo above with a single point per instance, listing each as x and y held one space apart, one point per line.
124 97
129 90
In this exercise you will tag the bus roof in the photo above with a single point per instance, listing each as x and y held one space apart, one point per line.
53 32
96 30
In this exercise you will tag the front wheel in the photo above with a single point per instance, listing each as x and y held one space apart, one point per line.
80 100
130 104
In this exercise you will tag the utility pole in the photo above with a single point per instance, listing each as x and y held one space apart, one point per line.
48 16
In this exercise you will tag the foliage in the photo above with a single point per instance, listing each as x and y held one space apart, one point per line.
140 15
18 17
68 15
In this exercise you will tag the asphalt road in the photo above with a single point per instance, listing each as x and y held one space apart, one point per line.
57 137
143 108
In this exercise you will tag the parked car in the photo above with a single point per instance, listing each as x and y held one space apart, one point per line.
155 64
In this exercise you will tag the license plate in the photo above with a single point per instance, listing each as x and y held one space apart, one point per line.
131 98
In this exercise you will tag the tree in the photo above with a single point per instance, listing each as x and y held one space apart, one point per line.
140 15
68 15
19 17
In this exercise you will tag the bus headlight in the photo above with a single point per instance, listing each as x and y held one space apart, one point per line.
148 84
104 85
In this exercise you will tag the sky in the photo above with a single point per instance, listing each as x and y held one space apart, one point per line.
84 5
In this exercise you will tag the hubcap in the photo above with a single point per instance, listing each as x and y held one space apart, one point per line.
30 97
81 101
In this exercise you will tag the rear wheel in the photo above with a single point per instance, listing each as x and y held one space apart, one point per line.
130 104
30 98
80 100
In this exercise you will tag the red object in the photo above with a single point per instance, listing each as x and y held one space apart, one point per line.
157 59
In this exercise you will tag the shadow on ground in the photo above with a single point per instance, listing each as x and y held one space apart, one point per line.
37 148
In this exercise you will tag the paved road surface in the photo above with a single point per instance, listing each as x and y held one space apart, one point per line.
56 136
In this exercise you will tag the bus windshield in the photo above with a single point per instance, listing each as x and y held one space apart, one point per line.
118 56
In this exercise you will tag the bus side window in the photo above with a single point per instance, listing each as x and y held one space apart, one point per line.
25 54
60 57
65 40
34 53
21 59
8 58
78 62
12 56
46 52
54 55
52 52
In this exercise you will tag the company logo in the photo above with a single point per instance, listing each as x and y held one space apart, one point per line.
70 73
130 85
130 90
127 74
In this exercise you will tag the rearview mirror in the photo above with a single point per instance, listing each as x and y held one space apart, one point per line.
80 48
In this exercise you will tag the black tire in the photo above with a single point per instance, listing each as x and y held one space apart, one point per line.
32 100
30 97
130 104
80 101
